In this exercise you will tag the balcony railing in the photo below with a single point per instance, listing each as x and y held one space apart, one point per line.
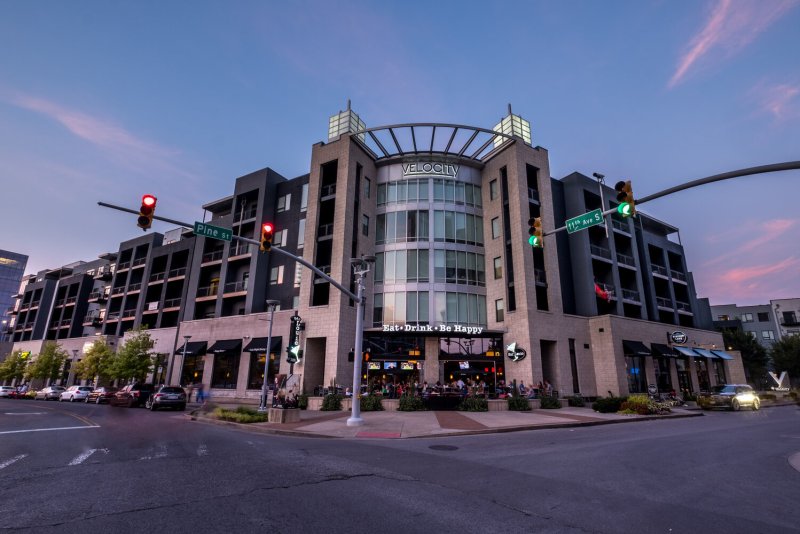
35 303
98 295
683 306
790 321
325 269
608 288
104 274
662 302
65 323
677 275
128 314
123 265
235 287
207 291
533 194
174 273
625 259
118 290
70 300
92 319
630 294
621 226
172 303
113 316
249 213
540 277
240 250
328 190
658 269
325 230
212 256
602 252
134 287
60 302
139 261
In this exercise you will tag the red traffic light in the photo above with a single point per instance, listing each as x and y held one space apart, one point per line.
266 237
146 212
267 227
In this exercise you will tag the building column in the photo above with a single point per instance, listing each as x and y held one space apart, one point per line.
431 367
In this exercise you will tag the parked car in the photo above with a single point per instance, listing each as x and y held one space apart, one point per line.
167 397
132 395
75 393
5 391
730 396
50 393
101 395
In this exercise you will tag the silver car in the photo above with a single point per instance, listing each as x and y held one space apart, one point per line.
75 393
50 393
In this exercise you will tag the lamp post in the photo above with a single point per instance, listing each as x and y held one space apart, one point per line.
271 304
360 269
183 363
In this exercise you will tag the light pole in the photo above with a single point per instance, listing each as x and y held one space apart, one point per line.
360 269
183 363
271 304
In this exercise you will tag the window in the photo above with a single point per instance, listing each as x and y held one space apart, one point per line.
303 198
768 334
456 267
401 226
495 227
723 318
365 225
301 233
763 317
296 302
498 268
747 317
298 274
276 275
279 238
499 310
284 203
493 190
367 187
404 307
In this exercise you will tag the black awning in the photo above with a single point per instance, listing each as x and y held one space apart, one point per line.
259 344
226 346
193 348
635 348
662 350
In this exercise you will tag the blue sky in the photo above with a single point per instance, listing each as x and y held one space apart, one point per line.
109 100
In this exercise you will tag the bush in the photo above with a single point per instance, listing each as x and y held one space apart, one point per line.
608 405
636 404
576 401
474 404
550 403
302 401
410 403
793 395
331 403
768 396
240 415
371 403
518 404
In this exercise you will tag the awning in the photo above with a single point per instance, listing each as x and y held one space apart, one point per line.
259 344
686 351
193 348
706 353
635 348
663 350
226 346
722 354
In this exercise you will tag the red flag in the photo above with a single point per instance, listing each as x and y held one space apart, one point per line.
602 293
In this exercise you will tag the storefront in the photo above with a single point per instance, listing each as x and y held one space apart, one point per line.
193 353
635 353
257 348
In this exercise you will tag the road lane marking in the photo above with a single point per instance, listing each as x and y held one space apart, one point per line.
47 429
25 413
12 460
84 455
161 453
202 450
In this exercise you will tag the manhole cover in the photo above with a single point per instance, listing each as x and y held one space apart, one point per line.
443 447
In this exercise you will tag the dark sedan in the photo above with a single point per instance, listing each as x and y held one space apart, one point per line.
731 396
132 395
101 395
167 397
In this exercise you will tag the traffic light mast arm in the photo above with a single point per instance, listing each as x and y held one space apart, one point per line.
298 259
774 167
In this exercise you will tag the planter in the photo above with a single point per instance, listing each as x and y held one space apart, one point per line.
535 404
498 405
390 405
281 415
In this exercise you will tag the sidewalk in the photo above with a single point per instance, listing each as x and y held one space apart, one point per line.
395 425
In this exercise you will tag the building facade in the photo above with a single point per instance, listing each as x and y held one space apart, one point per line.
455 290
12 269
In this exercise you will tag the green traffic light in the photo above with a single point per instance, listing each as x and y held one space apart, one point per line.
533 241
624 209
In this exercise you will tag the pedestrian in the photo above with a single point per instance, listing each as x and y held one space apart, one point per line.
523 391
548 388
200 394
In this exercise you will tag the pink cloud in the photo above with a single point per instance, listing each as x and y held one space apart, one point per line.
751 284
778 100
769 231
731 26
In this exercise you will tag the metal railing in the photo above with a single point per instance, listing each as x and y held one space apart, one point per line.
174 273
658 269
325 230
60 302
621 226
677 275
118 290
70 300
207 291
630 294
661 302
608 288
65 323
240 250
212 256
597 250
155 277
128 313
682 306
327 190
123 265
102 273
247 214
625 259
139 261
325 269
35 303
540 277
113 316
172 303
533 194
135 287
234 287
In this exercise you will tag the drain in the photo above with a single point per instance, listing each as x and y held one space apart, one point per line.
443 447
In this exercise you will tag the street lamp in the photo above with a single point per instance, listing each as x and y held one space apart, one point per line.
183 363
360 269
271 304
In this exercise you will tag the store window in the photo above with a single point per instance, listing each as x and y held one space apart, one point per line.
684 377
226 371
663 378
634 366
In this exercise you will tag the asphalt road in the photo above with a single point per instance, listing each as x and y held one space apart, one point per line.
104 469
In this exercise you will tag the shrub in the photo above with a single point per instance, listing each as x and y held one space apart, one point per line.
608 405
410 403
371 403
518 404
768 396
302 401
550 403
576 401
793 394
331 403
474 404
240 415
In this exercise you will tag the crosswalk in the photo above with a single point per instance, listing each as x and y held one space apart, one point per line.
96 455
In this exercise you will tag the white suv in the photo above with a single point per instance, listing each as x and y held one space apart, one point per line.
75 393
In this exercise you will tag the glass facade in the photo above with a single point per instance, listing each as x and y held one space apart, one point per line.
12 269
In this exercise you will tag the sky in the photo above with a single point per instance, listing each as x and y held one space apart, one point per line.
108 100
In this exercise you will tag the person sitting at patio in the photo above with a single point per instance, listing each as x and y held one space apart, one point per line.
523 391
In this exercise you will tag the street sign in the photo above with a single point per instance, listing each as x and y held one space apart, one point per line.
586 220
214 232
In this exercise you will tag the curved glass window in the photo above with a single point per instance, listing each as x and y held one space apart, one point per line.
457 227
460 308
403 191
401 226
405 307
399 266
456 192
457 267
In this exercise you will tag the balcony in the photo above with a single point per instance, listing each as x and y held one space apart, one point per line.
70 301
533 195
112 317
60 303
624 259
157 277
172 304
540 277
210 257
97 296
123 265
325 269
207 292
630 295
660 271
118 291
621 226
134 287
608 288
677 275
92 320
235 287
241 250
128 314
176 273
600 252
35 304
106 273
325 231
11 311
249 213
665 303
65 323
138 262
790 321
683 307
327 191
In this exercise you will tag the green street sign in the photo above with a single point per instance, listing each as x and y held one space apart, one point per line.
581 222
214 232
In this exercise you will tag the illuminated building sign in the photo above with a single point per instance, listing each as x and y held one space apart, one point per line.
430 168
449 328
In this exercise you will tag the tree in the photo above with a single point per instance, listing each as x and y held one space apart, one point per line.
754 356
134 360
786 357
97 361
13 367
48 364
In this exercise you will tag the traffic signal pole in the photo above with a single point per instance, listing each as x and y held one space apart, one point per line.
761 169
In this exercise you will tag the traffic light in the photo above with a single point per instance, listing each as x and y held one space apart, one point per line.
266 237
146 212
627 206
535 231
